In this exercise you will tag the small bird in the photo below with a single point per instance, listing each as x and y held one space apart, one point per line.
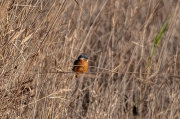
81 64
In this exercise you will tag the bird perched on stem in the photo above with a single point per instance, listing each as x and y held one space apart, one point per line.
81 64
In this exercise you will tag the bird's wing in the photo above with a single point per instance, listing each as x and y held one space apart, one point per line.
75 63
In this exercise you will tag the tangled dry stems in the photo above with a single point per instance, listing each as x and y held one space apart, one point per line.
41 39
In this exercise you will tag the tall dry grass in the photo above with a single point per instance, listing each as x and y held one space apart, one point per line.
40 39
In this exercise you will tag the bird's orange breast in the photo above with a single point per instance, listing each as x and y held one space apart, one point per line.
81 67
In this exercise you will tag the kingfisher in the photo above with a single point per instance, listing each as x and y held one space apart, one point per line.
81 64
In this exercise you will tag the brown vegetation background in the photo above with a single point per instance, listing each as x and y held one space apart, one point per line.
40 39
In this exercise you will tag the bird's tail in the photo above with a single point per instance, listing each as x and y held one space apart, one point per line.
77 75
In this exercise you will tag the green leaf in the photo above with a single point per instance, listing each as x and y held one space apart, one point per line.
158 37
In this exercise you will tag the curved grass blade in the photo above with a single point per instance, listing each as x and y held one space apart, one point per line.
158 37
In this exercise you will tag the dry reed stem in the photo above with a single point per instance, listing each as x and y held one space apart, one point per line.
40 40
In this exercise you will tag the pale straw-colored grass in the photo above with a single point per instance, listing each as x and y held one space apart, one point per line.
40 40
